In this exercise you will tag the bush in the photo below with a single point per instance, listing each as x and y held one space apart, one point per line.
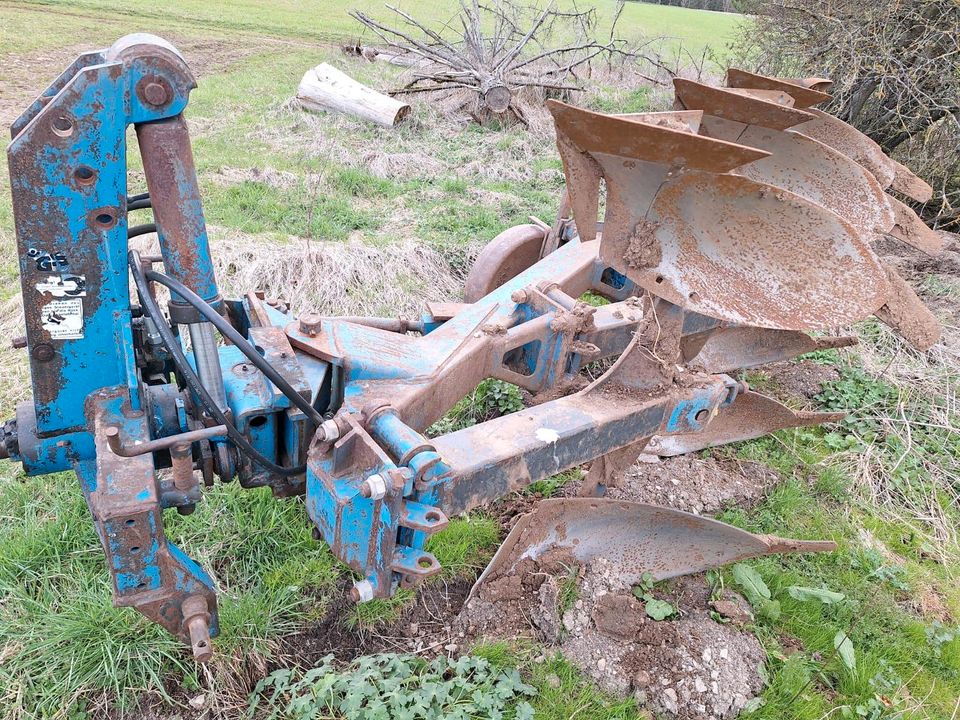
896 71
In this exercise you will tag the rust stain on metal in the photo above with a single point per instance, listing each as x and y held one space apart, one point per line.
751 415
905 312
636 538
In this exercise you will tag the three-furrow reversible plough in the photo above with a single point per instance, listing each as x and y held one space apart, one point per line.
732 228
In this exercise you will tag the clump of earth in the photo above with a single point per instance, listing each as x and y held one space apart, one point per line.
694 484
700 664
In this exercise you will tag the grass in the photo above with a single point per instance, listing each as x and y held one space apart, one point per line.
64 643
328 20
562 690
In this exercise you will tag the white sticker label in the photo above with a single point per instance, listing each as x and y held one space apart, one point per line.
63 319
63 286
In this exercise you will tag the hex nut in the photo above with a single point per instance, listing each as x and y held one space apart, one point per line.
311 324
362 591
374 487
329 430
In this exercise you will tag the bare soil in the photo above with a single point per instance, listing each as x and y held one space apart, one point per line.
692 667
794 383
695 484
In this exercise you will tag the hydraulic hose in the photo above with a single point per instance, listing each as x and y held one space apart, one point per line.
152 310
242 344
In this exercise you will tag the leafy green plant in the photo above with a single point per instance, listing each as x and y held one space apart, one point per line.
492 398
655 608
758 594
394 687
844 646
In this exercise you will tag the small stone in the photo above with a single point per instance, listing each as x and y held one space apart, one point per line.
414 628
641 679
540 659
723 653
732 611
553 680
715 675
198 702
699 685
707 655
601 664
669 701
715 688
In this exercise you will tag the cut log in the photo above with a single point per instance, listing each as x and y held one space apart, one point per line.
495 95
324 88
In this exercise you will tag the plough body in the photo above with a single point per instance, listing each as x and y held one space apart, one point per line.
708 267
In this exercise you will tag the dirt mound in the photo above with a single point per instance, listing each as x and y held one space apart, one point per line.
692 667
798 381
694 484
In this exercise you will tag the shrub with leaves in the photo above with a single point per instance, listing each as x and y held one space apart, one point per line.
394 687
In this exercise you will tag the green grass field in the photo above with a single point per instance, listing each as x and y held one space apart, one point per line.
326 20
421 199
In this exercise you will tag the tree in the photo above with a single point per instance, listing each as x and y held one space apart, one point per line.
896 71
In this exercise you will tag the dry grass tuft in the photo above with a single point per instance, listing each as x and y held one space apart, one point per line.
927 404
350 278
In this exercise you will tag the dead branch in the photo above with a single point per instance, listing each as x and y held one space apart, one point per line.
497 49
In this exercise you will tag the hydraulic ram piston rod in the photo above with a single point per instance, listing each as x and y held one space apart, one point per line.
178 212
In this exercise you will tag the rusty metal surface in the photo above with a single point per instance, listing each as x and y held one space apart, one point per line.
796 163
745 252
177 209
503 258
806 92
906 313
750 416
117 447
739 106
725 246
636 538
851 142
728 349
909 228
906 182
838 134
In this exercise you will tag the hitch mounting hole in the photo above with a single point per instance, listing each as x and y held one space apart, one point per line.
84 175
62 126
105 219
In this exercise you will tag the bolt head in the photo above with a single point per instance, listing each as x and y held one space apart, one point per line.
519 296
310 324
155 94
43 352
